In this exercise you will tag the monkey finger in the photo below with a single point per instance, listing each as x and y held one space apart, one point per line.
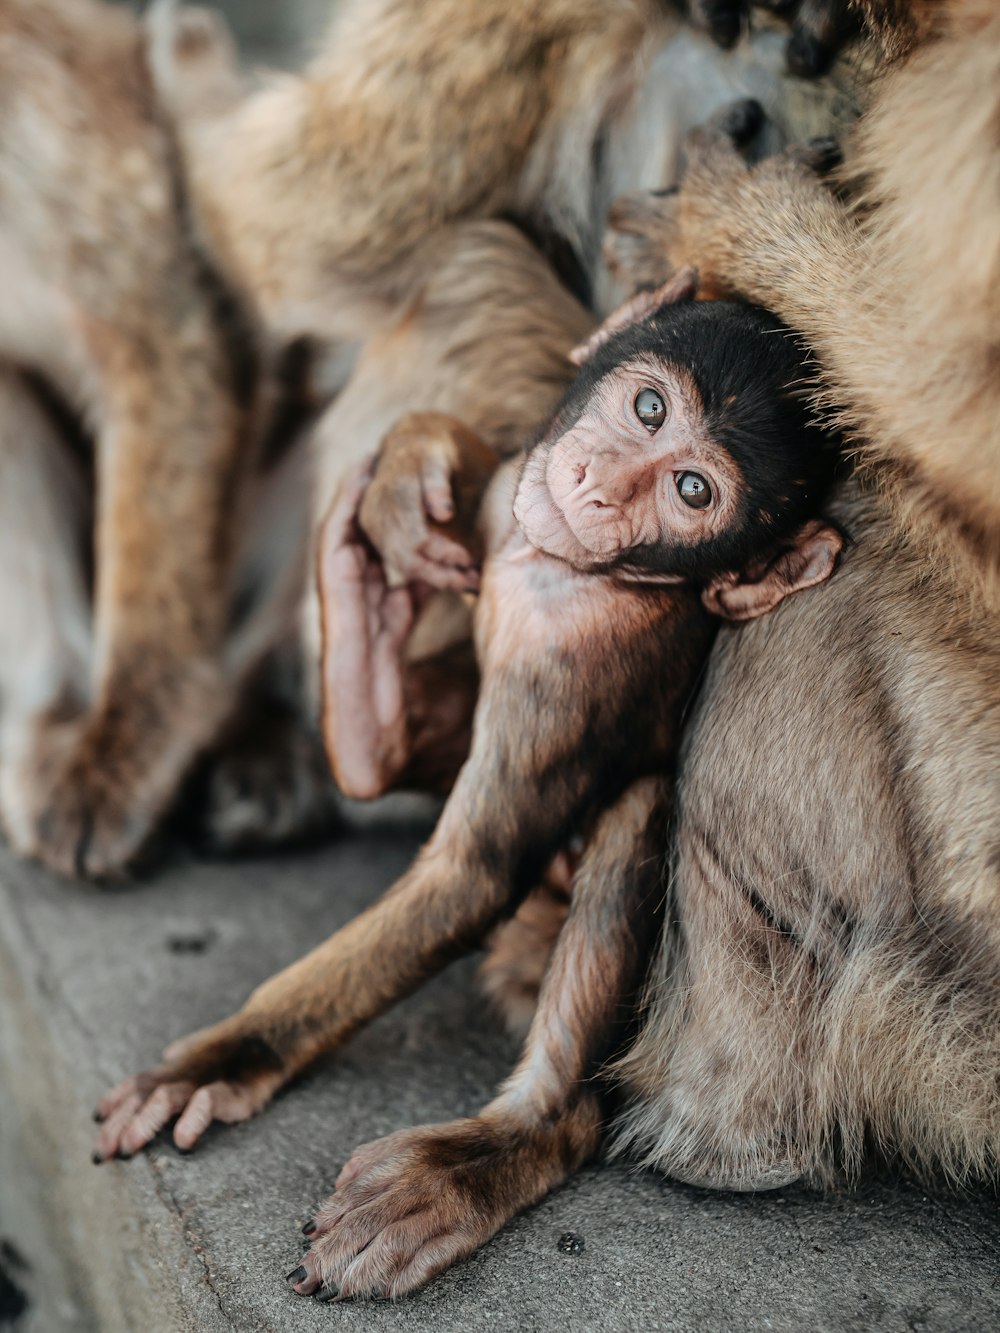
227 1102
446 578
121 1092
110 1136
442 550
340 553
342 514
436 488
820 155
820 29
724 19
739 121
714 148
158 1109
397 615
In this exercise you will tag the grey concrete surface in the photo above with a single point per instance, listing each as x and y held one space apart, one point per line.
93 984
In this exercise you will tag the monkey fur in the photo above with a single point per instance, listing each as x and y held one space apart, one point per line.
585 673
161 262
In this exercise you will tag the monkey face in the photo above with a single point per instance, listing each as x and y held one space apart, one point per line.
633 480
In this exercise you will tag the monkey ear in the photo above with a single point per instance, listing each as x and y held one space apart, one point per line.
810 558
681 287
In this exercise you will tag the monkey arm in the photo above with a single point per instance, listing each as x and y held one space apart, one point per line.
491 843
410 1204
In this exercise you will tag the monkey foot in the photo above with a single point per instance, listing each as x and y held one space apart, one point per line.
73 807
408 1206
269 787
214 1075
87 791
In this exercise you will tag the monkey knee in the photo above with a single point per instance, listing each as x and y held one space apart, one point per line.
739 1168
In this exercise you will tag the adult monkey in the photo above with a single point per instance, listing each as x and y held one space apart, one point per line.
840 969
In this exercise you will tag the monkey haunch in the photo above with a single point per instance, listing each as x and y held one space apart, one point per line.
585 672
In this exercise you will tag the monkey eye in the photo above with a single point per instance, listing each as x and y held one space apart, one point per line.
694 490
650 408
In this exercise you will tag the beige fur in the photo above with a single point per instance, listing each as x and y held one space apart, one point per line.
836 879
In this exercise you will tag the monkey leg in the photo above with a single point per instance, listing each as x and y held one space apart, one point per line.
409 1205
726 1041
504 821
97 784
44 611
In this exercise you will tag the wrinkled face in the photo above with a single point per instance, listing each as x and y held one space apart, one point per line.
633 478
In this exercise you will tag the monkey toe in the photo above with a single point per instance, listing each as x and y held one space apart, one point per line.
808 56
271 787
820 30
402 1213
724 20
741 121
821 155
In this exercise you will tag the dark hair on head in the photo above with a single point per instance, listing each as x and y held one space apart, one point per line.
753 376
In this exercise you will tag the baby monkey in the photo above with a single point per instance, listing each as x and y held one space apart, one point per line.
681 477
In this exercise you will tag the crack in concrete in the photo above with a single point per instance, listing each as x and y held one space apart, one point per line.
194 1242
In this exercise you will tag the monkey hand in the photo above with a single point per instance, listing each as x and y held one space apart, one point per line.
819 28
748 231
408 1206
225 1073
420 509
86 793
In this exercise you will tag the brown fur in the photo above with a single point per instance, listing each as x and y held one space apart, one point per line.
109 302
839 979
325 207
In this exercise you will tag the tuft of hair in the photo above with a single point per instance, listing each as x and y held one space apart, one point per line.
885 1043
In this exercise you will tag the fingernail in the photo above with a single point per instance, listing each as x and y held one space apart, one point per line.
296 1275
309 1228
826 153
743 120
807 56
96 1158
98 1118
124 1156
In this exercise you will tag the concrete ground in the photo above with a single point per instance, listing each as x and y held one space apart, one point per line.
93 984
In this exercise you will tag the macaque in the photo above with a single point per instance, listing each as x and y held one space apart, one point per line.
681 477
832 983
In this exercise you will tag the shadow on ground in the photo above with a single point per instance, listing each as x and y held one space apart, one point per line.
94 984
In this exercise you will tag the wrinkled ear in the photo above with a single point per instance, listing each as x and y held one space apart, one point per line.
810 558
681 287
